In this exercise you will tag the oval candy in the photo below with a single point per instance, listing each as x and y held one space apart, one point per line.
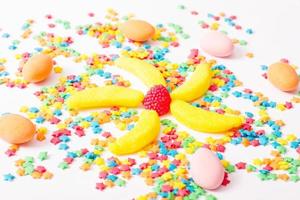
137 30
16 129
206 169
37 68
283 76
217 44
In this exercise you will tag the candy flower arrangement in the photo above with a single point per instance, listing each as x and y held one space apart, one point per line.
192 93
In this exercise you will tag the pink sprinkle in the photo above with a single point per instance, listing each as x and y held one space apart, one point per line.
260 132
249 121
84 151
69 160
106 134
248 91
100 186
238 27
288 105
124 167
143 165
152 155
131 161
284 60
220 148
91 14
265 75
233 17
54 120
204 25
10 152
194 13
115 171
80 133
183 192
268 167
162 157
166 188
241 165
40 169
51 25
213 87
226 181
55 140
49 16
103 175
217 18
174 44
254 143
220 111
298 150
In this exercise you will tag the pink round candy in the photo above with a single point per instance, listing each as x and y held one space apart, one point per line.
206 169
216 44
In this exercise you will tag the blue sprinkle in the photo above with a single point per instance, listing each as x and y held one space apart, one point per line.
72 155
136 171
90 155
220 156
39 120
8 177
249 31
111 163
264 67
34 110
63 146
112 177
172 167
64 138
5 35
57 112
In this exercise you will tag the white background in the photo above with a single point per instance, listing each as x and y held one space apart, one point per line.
277 31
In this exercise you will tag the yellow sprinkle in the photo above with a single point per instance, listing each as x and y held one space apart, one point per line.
291 137
24 109
58 69
225 163
257 162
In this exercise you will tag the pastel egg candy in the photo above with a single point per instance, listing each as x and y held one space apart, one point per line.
16 129
37 68
206 169
216 44
137 30
283 76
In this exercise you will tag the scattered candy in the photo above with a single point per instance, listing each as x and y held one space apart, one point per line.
16 129
283 76
206 169
217 44
37 68
137 30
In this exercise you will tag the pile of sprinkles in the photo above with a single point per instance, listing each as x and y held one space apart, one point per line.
163 165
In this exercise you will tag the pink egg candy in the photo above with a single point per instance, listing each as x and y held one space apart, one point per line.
206 169
217 44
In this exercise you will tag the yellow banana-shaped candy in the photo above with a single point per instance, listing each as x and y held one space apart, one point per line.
105 96
195 86
144 133
146 72
202 120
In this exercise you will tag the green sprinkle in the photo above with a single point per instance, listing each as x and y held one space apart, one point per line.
43 156
63 165
210 197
